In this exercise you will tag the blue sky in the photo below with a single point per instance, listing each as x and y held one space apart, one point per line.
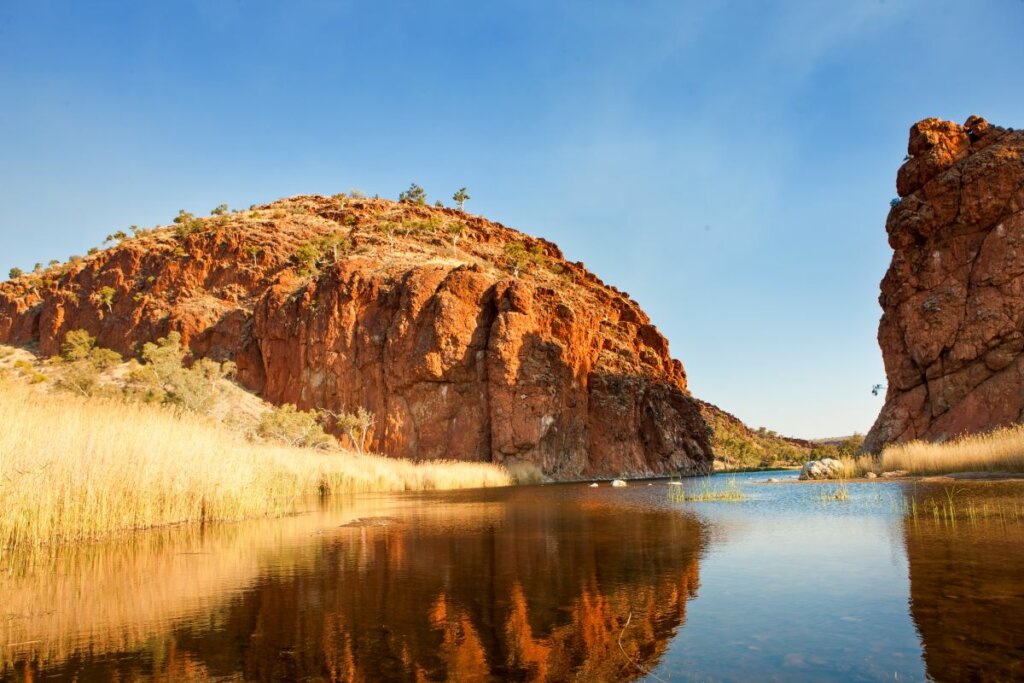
729 164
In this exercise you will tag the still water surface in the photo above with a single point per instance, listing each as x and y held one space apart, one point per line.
560 582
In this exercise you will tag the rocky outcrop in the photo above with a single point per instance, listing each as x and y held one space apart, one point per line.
466 339
952 329
826 468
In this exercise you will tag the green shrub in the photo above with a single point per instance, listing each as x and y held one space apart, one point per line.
187 224
220 210
77 345
15 273
294 427
306 258
311 255
455 232
461 197
414 195
83 363
106 298
165 375
521 259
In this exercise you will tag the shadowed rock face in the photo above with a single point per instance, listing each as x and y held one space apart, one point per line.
462 349
953 297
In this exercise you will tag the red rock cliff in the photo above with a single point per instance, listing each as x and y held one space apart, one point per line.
952 329
466 339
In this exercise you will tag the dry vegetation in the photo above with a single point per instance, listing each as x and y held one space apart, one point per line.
1001 450
75 468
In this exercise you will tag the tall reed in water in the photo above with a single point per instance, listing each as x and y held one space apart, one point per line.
74 469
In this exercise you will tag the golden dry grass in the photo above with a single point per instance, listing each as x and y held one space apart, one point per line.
75 469
859 466
1001 450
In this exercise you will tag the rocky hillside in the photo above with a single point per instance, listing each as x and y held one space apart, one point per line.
737 446
952 329
466 339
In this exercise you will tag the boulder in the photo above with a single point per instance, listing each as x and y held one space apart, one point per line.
826 468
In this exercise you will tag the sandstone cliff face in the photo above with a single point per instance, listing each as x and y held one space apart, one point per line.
952 329
466 339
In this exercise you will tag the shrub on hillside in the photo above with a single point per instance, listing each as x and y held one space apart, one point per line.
164 377
186 224
83 362
294 427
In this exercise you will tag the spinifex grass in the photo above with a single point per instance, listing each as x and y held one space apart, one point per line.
707 492
74 469
999 451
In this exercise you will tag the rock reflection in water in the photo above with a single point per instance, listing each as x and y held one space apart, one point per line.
511 585
967 582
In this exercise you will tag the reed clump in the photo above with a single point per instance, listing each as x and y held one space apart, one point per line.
838 493
75 469
707 492
1001 450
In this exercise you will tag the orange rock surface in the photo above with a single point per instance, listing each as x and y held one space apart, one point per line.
466 339
952 328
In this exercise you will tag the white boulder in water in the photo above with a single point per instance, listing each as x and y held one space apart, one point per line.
594 485
618 482
826 468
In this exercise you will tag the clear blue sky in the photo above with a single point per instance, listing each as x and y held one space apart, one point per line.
729 164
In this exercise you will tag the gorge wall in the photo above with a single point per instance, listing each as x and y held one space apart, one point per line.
952 328
466 339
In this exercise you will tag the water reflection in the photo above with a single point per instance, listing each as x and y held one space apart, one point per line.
967 581
508 585
539 584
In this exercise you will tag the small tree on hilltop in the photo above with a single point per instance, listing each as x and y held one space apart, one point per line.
414 195
15 273
461 197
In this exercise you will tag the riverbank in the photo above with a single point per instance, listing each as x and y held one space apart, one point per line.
74 469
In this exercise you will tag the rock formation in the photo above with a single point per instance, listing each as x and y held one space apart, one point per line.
466 339
952 329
